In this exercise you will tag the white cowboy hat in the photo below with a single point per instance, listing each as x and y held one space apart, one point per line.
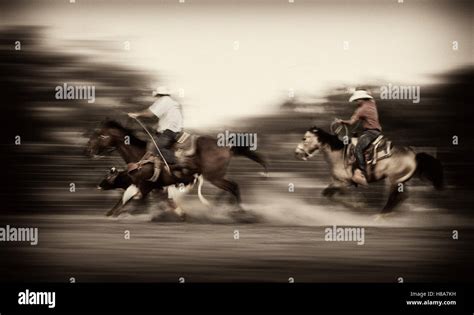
360 94
161 90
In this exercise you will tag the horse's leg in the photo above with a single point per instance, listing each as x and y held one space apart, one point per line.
234 189
142 191
229 186
333 189
338 187
239 214
176 208
119 207
118 204
220 197
128 195
175 196
393 199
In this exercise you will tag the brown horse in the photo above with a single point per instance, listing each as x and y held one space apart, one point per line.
210 161
402 165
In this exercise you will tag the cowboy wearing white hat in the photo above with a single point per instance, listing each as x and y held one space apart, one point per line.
366 112
170 123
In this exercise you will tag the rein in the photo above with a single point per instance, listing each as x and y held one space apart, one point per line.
309 155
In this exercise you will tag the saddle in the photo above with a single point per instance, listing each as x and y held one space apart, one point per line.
379 149
147 159
184 150
185 146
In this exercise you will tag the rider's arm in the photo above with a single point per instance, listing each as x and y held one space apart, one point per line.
144 113
350 121
355 117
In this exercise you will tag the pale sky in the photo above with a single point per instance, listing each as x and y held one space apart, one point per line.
236 60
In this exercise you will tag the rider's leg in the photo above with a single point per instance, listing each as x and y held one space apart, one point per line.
164 141
363 142
150 147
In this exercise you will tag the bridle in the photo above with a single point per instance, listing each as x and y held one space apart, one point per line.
309 155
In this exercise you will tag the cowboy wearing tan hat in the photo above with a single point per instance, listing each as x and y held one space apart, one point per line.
366 112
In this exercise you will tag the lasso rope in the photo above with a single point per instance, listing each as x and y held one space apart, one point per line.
154 142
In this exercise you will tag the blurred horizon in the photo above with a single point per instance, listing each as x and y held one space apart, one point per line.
231 60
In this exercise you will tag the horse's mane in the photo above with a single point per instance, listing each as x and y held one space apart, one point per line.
134 140
327 138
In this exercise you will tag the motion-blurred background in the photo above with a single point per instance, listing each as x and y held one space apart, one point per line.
271 68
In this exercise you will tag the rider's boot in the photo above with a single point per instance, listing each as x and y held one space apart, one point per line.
359 177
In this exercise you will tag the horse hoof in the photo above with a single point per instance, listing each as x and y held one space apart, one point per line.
168 216
242 216
183 217
358 205
117 214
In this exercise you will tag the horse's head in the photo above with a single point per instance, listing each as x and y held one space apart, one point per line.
309 145
104 139
314 139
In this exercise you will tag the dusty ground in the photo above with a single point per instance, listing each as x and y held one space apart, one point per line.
77 241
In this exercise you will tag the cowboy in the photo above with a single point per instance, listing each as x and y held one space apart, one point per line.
366 112
170 123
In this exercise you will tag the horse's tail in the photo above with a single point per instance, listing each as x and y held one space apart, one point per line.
430 168
254 156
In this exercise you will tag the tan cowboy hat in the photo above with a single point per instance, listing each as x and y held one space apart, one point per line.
161 90
360 94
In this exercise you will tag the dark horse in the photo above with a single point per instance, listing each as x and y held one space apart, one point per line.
402 165
210 161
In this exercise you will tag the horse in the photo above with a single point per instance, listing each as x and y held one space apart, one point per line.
398 168
210 162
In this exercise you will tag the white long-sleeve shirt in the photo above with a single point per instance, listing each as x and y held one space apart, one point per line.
169 112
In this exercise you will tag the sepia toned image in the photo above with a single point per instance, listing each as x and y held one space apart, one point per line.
237 142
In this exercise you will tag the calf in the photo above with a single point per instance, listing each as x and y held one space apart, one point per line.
115 179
